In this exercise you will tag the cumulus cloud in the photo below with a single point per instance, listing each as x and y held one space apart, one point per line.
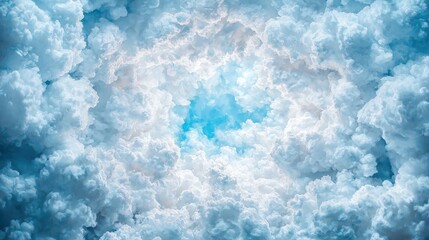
214 119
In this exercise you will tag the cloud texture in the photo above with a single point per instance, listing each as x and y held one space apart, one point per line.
214 119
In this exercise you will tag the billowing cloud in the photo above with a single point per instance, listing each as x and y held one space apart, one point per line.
214 119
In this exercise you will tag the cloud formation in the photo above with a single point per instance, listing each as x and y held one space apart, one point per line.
214 119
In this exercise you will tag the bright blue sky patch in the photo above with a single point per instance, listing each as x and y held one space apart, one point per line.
209 114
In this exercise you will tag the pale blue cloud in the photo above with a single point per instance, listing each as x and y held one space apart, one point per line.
214 119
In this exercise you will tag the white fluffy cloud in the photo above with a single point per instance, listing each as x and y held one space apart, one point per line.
217 119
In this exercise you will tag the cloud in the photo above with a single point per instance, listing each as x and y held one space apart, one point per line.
214 119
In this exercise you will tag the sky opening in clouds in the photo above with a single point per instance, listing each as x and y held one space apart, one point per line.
214 119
